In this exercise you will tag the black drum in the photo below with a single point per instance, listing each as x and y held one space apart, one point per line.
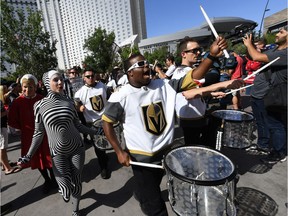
237 129
100 139
200 181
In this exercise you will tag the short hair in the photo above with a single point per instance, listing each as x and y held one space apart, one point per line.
28 77
183 43
76 68
89 68
170 58
260 41
127 62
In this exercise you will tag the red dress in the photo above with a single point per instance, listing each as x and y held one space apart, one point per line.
21 116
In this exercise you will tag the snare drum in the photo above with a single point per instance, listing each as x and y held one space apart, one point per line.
238 128
100 139
200 181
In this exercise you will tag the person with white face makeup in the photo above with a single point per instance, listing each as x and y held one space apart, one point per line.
56 116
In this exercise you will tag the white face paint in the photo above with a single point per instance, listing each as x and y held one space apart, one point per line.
56 83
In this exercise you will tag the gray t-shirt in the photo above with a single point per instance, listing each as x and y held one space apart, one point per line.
261 82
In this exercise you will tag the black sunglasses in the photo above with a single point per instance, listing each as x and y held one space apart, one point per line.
89 76
195 50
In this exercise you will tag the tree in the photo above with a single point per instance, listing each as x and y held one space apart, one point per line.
126 51
100 47
24 43
159 54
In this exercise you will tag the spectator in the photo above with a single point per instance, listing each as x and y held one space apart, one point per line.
276 74
170 63
8 168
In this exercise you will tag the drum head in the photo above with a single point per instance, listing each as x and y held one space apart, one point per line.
233 115
199 165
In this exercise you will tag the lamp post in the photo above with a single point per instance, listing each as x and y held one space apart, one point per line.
263 18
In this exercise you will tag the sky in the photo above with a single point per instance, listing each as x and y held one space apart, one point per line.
170 16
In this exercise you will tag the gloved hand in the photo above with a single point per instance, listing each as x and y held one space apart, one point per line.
23 160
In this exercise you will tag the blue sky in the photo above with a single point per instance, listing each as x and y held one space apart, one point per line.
169 16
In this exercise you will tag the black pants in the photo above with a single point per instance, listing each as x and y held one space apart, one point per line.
148 190
101 154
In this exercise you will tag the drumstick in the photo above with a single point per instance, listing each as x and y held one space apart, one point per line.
262 68
146 164
235 90
213 29
199 175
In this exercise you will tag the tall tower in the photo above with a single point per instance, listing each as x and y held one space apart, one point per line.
71 21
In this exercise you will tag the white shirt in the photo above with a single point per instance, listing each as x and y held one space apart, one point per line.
170 70
94 99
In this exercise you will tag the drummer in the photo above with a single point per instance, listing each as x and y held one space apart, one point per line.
146 108
91 99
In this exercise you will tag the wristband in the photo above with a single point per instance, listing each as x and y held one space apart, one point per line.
212 58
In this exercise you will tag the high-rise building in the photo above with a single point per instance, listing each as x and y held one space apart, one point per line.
71 21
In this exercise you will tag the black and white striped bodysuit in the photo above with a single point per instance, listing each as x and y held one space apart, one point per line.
56 114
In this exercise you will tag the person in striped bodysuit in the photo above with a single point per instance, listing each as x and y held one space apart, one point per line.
56 114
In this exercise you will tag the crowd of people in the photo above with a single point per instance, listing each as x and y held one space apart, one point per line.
55 123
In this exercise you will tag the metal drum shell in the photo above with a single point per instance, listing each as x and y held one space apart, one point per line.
214 196
238 128
101 135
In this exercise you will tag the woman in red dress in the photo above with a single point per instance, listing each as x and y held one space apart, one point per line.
21 116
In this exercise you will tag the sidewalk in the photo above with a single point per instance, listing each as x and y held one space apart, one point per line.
261 190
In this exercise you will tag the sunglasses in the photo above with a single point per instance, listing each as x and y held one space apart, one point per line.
138 64
195 50
72 72
89 76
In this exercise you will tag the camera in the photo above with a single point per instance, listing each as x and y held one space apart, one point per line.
239 31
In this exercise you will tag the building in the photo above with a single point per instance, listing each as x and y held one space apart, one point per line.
203 34
71 21
274 22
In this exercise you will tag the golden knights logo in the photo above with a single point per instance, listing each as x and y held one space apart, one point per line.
154 118
97 103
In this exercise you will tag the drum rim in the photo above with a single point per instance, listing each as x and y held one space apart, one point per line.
201 182
230 120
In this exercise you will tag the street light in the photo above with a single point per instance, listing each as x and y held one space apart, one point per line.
263 18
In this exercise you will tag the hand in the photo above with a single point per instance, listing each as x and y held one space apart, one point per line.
247 40
23 160
216 49
82 108
123 158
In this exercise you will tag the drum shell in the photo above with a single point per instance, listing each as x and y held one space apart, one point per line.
238 128
207 194
100 140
